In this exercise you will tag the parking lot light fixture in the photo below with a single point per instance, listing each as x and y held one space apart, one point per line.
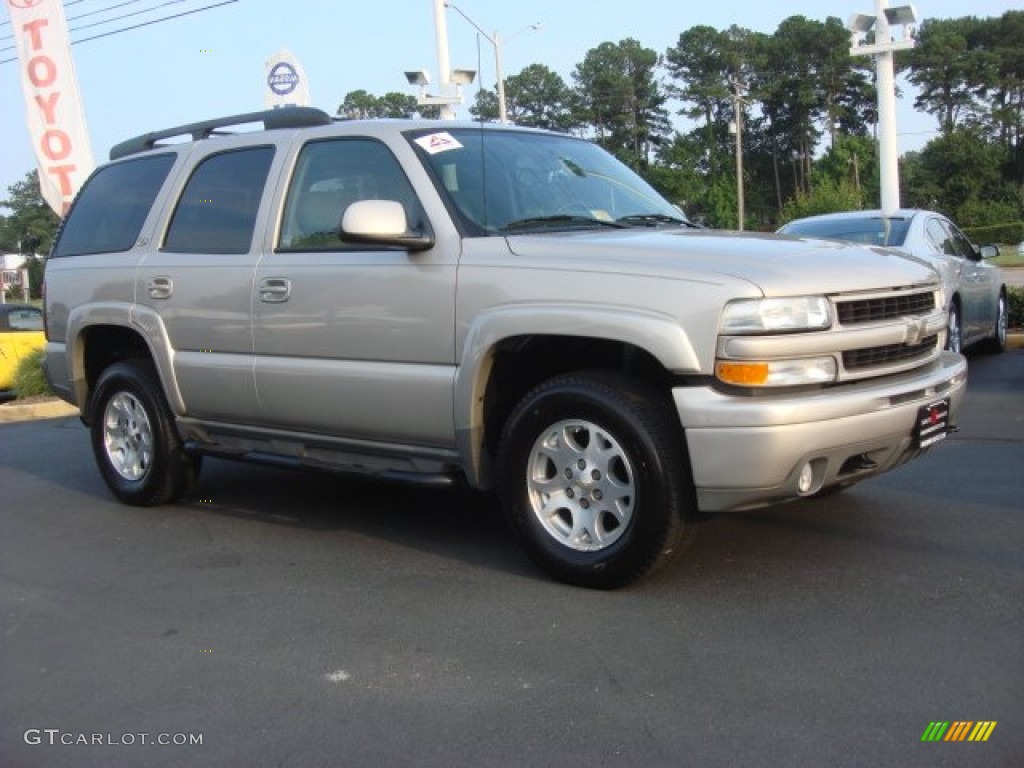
883 49
496 41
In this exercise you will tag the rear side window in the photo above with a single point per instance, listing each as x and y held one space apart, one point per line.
112 207
217 211
22 319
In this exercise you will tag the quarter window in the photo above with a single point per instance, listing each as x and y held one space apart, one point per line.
217 211
329 176
112 206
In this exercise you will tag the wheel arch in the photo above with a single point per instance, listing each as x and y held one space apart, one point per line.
109 336
503 360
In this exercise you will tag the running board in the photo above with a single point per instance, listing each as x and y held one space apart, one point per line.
422 479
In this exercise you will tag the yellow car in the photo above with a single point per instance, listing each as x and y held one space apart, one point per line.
21 333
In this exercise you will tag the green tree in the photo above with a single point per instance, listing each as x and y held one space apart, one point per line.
945 72
702 63
826 197
361 105
32 224
960 174
618 96
677 173
536 97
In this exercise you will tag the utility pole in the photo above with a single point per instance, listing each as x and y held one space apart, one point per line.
738 90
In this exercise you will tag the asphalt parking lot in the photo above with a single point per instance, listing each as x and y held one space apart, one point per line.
305 620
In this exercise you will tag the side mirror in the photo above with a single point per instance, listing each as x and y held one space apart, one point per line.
988 251
381 222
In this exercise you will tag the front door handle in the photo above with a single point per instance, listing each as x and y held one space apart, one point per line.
275 290
160 287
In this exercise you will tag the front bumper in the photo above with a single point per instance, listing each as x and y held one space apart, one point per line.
747 452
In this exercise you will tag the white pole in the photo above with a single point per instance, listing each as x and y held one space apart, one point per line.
443 64
502 107
888 153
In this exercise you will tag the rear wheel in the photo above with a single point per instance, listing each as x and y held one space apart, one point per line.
997 342
594 478
137 448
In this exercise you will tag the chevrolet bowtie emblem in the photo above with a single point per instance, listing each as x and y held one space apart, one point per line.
916 329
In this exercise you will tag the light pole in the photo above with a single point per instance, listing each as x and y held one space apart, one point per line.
497 42
448 76
883 49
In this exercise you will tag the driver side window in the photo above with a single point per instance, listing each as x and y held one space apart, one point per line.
329 176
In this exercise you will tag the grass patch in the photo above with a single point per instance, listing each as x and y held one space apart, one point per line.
1008 257
29 380
1015 306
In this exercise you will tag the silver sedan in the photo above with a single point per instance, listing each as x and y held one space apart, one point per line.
974 287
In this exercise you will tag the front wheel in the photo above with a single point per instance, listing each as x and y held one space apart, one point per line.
594 478
954 339
137 448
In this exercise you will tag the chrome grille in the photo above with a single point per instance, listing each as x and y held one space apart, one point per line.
884 308
858 359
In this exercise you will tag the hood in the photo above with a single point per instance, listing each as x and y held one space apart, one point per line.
778 266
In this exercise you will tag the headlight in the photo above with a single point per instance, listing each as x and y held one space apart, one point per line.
777 373
798 313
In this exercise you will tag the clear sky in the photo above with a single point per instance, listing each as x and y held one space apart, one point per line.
211 63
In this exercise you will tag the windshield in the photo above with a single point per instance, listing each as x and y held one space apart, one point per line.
501 182
870 230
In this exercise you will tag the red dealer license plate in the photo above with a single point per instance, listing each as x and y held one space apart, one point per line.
932 424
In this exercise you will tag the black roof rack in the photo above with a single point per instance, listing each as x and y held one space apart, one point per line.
282 117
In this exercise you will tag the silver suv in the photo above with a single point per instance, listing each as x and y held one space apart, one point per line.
433 301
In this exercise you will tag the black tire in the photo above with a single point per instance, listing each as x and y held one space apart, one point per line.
137 447
605 437
955 331
997 342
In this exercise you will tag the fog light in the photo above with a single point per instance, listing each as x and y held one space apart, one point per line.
806 479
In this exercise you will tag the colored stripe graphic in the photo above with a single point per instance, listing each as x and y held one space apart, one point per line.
982 730
959 730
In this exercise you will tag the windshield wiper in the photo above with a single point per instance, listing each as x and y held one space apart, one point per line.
653 220
560 220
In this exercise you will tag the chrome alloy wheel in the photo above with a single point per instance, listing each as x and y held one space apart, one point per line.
955 337
581 485
1002 321
128 436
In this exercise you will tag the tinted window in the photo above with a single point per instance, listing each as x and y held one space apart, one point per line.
941 238
22 319
112 206
331 175
509 181
870 231
964 247
217 211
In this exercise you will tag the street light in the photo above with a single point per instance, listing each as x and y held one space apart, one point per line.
457 77
882 49
497 42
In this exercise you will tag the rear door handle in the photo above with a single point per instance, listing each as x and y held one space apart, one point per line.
160 287
275 290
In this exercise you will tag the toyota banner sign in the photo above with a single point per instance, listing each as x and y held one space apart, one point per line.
56 120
